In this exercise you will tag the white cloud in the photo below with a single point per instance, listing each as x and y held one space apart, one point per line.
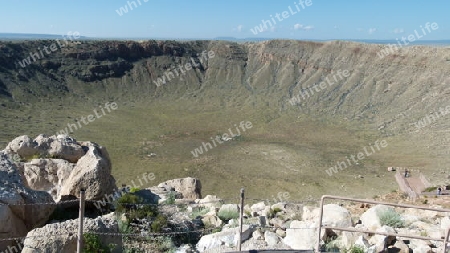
298 26
303 27
372 30
238 28
398 30
360 30
336 27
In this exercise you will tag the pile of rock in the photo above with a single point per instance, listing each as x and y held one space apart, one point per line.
36 174
296 227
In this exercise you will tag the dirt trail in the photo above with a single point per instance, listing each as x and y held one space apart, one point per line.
416 184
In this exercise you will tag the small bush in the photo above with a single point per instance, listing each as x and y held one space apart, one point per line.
355 249
165 244
391 219
135 207
170 199
92 244
273 212
134 189
200 211
159 223
227 215
430 189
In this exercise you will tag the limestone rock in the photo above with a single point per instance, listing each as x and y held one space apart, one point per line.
62 237
271 238
258 208
66 148
191 188
227 237
336 216
401 246
93 173
382 241
47 175
301 235
212 220
371 218
210 201
19 215
258 235
23 145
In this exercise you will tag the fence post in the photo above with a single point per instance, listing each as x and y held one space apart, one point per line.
241 216
322 200
81 222
447 232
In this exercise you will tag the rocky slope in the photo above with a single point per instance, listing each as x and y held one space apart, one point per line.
347 84
392 91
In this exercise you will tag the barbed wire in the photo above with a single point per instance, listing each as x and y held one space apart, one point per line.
222 201
37 236
145 234
164 204
278 227
42 203
142 234
284 202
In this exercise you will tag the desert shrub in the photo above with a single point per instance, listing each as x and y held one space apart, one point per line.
273 212
331 246
170 198
430 189
165 244
135 207
227 215
355 249
159 223
134 189
199 211
391 219
92 244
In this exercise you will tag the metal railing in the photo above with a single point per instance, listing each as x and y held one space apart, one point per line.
445 240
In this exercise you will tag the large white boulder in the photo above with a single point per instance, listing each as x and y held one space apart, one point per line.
61 146
189 187
21 209
92 173
301 235
382 241
62 237
271 238
371 218
228 237
47 175
23 145
64 166
336 216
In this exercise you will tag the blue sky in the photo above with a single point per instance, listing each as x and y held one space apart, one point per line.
323 19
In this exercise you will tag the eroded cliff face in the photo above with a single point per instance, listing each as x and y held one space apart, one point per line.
344 79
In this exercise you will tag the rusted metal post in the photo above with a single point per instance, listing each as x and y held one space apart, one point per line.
81 222
320 224
241 217
447 232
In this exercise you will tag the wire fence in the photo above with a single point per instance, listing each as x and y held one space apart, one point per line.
136 240
15 243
